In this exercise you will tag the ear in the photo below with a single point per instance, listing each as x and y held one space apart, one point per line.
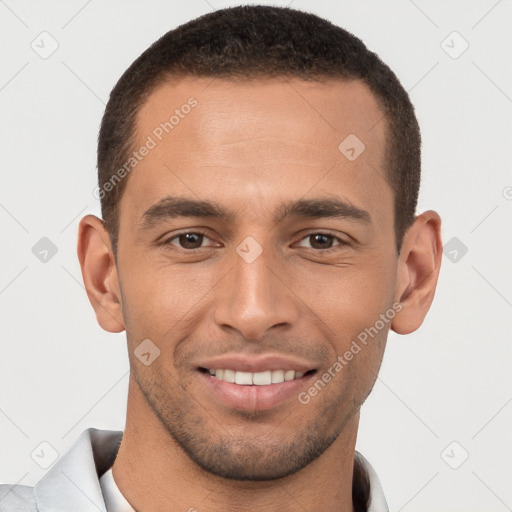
418 272
99 273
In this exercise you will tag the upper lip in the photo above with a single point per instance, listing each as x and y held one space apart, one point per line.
255 364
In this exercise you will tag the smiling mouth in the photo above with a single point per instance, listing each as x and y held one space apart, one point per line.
264 378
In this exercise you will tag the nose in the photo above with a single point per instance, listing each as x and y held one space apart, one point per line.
254 298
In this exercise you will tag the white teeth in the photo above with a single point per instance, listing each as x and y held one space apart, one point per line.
229 375
258 379
243 378
277 376
289 375
262 378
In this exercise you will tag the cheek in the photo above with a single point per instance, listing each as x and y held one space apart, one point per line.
347 300
347 307
159 297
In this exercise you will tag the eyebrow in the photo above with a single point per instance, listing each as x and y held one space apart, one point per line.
321 208
173 207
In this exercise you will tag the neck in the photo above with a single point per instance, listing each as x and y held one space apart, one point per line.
154 473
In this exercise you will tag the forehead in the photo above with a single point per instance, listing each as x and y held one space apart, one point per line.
330 107
259 138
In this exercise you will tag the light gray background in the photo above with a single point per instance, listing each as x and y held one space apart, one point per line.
451 381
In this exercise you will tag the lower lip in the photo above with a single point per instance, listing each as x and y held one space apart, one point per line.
252 397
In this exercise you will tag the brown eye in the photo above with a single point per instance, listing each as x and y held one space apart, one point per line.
190 240
321 241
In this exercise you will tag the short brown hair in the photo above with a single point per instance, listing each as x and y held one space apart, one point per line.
257 42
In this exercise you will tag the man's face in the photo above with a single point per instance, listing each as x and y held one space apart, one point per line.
254 149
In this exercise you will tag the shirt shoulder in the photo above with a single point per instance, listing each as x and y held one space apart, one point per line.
17 498
377 501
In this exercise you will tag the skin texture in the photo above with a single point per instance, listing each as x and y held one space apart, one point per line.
251 147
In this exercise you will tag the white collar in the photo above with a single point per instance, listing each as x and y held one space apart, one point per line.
74 477
114 499
116 502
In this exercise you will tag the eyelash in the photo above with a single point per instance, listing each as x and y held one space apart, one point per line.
340 241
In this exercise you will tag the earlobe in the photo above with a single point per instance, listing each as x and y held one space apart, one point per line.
99 273
418 272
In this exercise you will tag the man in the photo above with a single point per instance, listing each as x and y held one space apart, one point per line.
258 172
